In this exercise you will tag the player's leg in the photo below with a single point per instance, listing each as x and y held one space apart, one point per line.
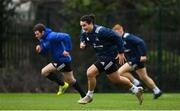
131 78
142 73
123 81
92 72
48 70
126 68
69 78
54 76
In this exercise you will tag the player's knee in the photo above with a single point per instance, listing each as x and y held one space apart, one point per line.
44 72
90 74
71 80
113 79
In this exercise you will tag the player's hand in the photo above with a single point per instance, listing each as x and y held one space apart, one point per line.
121 58
66 53
38 48
82 45
143 59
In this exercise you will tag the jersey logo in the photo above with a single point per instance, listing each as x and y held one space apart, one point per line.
97 46
87 38
97 39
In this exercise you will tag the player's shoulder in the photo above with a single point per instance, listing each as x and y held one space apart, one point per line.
51 35
100 29
133 37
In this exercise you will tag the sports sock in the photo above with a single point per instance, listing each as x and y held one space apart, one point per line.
134 89
79 89
54 77
156 90
136 82
90 93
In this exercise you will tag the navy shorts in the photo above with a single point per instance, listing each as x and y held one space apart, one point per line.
107 65
63 67
136 65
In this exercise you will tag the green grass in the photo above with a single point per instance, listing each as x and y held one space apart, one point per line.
103 101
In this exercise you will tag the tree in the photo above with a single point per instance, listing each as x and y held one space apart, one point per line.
6 11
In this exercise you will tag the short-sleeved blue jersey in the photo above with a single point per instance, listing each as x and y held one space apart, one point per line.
106 42
56 43
134 47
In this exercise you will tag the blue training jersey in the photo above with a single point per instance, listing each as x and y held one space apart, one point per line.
56 43
134 47
106 42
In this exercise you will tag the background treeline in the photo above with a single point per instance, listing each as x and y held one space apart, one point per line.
156 21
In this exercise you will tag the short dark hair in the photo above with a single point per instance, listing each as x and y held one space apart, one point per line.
39 27
88 18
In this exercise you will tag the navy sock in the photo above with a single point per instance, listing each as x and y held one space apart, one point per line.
54 77
79 89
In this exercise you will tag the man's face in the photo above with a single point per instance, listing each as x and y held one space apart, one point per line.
86 27
38 34
119 31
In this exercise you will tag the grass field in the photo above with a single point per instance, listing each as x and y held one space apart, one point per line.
68 101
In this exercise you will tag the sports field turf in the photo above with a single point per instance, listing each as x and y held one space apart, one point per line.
102 101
